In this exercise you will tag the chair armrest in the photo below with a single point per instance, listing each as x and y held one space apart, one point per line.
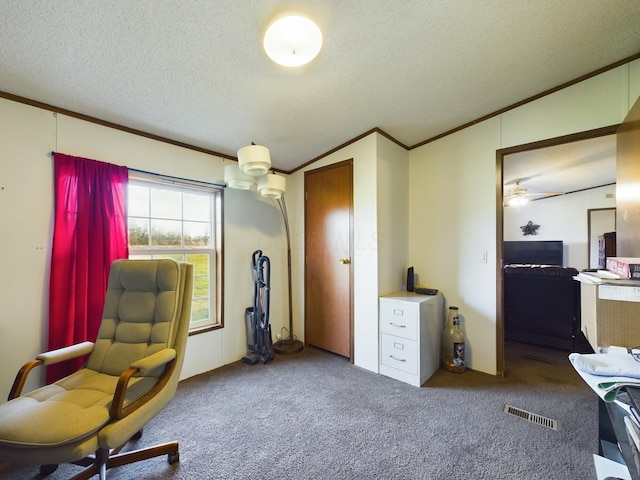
21 378
66 353
47 358
158 359
164 357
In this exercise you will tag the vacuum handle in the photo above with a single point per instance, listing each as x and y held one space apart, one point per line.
254 259
264 269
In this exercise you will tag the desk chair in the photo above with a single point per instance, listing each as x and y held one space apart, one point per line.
130 374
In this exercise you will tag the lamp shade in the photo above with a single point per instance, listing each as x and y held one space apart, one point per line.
272 186
254 160
237 179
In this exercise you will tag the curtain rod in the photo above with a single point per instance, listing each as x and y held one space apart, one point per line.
178 179
172 178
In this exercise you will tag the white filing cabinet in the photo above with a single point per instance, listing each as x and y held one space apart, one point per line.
410 331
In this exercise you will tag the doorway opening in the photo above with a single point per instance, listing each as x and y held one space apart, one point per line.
556 167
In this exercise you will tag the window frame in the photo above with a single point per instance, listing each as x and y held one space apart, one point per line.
216 265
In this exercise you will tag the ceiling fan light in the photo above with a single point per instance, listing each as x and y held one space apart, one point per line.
237 179
272 186
254 160
292 41
518 201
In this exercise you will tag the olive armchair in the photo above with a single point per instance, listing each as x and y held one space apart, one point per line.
130 374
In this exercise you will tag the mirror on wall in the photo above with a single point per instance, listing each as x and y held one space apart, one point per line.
601 224
557 183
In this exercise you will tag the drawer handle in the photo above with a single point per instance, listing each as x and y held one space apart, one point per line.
398 359
399 325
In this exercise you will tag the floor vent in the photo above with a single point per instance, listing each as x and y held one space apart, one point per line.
531 417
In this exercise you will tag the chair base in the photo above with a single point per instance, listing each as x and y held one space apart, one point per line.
104 460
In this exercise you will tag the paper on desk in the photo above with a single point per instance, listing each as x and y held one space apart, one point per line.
608 468
586 278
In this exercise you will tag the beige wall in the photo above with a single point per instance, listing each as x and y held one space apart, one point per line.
393 216
449 230
365 246
456 176
28 136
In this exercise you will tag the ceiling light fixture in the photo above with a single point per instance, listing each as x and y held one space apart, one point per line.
518 201
517 196
292 41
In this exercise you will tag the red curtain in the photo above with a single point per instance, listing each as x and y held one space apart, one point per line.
90 231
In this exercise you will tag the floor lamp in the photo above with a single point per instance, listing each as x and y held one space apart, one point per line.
254 162
287 346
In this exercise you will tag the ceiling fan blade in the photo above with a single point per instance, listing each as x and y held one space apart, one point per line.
544 194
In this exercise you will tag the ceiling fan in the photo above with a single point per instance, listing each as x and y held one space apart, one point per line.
518 195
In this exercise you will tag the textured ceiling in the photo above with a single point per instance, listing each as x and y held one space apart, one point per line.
195 72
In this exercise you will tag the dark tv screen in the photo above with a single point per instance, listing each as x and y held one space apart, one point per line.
540 252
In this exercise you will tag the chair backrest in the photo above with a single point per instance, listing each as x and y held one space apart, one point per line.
144 311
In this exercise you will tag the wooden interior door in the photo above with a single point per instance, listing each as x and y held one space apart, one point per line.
328 248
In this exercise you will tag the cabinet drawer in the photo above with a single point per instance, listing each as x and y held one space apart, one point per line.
399 353
399 318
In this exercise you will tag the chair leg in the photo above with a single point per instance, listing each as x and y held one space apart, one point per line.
48 469
87 473
102 458
96 465
105 460
170 449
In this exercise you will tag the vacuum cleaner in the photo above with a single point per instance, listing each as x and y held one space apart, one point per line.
259 341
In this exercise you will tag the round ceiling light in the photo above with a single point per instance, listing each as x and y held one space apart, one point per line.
293 41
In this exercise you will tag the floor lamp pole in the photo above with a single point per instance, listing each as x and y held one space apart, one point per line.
288 346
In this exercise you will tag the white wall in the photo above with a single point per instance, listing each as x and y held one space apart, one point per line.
365 248
452 229
560 218
452 194
393 216
451 216
380 234
28 136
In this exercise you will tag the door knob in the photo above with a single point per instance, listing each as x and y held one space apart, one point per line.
345 261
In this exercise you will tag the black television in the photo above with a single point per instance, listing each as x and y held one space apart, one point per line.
537 252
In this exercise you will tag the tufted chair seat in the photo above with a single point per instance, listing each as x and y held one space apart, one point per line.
131 373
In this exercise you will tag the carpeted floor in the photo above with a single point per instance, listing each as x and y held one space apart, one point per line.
315 416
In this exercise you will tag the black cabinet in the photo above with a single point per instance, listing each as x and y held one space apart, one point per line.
542 305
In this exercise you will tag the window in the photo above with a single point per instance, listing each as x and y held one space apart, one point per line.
169 219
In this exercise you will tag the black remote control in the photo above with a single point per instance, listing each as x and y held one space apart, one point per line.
426 291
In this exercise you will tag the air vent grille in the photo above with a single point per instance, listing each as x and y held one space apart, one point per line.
531 417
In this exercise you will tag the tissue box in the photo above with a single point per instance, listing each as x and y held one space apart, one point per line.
626 267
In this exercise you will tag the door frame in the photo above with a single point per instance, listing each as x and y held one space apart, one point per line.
331 166
500 154
590 213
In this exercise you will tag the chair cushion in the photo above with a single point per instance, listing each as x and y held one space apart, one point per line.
139 314
66 411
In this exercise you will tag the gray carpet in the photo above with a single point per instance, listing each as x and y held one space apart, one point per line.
315 416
